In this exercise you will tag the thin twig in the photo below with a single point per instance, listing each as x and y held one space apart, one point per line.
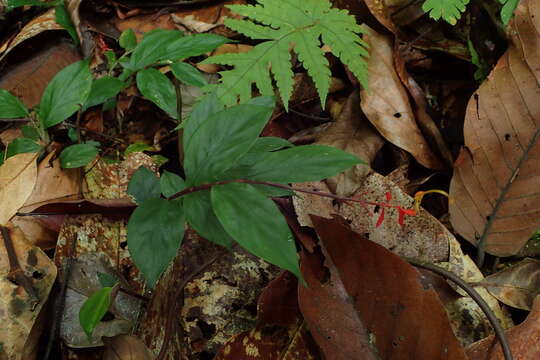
16 274
499 331
15 120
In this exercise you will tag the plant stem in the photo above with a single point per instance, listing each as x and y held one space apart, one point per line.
499 331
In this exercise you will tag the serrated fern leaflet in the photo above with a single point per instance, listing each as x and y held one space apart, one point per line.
286 25
448 10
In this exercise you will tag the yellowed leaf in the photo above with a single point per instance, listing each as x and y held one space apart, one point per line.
17 179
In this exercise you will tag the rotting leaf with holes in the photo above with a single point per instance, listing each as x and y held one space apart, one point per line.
497 175
364 286
155 231
255 222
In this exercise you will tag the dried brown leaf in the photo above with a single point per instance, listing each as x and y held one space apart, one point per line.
125 347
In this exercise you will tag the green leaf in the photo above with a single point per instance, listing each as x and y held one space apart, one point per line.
269 143
301 163
284 25
65 94
201 217
152 48
208 105
170 184
77 155
448 10
93 309
508 10
10 106
155 231
193 45
138 147
62 18
12 4
30 132
102 90
188 74
128 40
256 224
22 145
144 185
482 69
157 88
218 143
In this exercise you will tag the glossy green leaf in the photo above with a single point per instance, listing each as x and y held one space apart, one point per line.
152 48
188 74
170 184
269 143
22 145
102 90
65 94
144 185
94 308
256 224
300 163
201 217
10 106
193 45
155 231
62 18
77 155
128 40
218 143
157 88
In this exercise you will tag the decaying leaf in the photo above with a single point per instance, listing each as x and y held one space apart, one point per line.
497 174
18 311
125 347
362 297
516 286
17 179
386 103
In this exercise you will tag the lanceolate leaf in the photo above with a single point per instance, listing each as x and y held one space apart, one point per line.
218 143
155 231
65 94
22 145
10 106
77 155
508 9
152 48
496 177
193 45
188 74
94 308
157 88
254 221
285 24
103 89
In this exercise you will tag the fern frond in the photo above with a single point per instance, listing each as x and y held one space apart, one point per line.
286 25
449 10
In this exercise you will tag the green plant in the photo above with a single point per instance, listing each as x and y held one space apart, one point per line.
450 10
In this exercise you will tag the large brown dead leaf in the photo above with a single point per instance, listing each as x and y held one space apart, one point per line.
364 298
516 286
386 103
523 340
17 179
497 174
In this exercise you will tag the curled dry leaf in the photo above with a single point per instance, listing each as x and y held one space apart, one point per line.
17 179
516 286
497 173
125 347
522 338
363 302
18 311
386 103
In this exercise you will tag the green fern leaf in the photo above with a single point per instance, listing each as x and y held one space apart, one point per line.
449 10
508 10
286 25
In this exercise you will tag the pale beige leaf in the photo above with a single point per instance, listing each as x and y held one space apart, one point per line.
386 103
17 179
497 175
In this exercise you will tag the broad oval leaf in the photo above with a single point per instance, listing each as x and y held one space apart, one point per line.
65 94
127 40
77 155
144 185
94 308
102 90
192 45
170 184
201 217
188 74
10 106
218 143
22 145
157 88
152 48
254 221
496 176
155 231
